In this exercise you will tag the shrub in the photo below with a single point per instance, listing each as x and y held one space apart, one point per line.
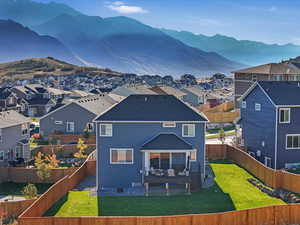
30 191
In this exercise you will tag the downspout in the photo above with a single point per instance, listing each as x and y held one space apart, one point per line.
276 128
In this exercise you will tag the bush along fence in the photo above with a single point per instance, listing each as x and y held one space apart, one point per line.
13 209
272 215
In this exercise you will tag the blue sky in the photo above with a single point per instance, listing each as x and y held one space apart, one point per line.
270 21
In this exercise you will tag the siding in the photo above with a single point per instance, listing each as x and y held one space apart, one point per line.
291 155
71 113
134 136
259 126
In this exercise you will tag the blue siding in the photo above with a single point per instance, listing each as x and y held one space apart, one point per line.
290 155
134 135
259 126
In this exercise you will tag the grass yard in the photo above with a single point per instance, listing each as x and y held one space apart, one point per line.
10 188
231 192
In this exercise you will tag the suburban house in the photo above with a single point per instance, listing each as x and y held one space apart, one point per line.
194 96
270 123
148 139
76 116
167 90
244 78
127 90
8 100
14 137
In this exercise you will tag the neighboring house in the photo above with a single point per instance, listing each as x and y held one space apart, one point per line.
8 100
36 106
244 78
14 136
127 90
271 124
148 134
76 116
194 96
167 90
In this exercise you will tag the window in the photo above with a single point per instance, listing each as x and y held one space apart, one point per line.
278 78
58 122
11 100
293 141
121 156
268 162
284 115
193 155
106 130
294 77
1 136
188 130
1 155
70 126
90 127
254 78
244 105
24 129
169 124
257 107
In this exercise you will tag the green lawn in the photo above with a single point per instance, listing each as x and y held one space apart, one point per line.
10 188
232 192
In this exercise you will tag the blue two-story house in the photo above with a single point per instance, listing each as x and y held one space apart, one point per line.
149 139
270 121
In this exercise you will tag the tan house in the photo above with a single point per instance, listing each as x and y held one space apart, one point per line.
244 78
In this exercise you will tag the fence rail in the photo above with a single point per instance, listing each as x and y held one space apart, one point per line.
272 215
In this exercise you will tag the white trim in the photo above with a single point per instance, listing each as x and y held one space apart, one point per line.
169 151
257 107
128 121
266 161
193 133
58 122
70 122
244 105
106 135
167 124
121 149
284 109
286 141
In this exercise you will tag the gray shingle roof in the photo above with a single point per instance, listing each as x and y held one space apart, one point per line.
151 108
282 92
96 103
12 118
167 142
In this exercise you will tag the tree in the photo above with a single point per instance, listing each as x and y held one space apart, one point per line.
38 160
82 147
222 136
30 191
44 172
52 161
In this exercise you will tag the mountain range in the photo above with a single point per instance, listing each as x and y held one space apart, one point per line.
121 43
244 51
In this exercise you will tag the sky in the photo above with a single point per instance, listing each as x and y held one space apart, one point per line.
270 21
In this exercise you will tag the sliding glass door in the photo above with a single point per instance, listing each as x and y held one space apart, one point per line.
168 160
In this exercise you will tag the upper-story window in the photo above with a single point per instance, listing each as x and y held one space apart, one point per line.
292 141
70 126
24 129
257 107
11 100
188 130
284 115
254 78
58 122
244 104
169 124
294 77
106 130
279 77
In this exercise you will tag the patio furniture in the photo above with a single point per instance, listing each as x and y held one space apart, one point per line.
171 172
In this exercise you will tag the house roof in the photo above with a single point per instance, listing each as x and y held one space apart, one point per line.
38 101
281 93
151 108
270 69
96 103
4 93
195 91
168 90
12 118
167 142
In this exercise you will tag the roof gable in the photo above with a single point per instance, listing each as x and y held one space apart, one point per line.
151 108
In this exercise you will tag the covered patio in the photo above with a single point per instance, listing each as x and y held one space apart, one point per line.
167 160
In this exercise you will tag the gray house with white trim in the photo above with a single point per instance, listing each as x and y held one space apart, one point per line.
14 137
76 116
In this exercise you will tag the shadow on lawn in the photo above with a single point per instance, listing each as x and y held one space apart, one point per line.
57 205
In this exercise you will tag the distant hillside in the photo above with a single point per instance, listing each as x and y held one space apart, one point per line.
29 68
30 13
127 45
18 42
244 51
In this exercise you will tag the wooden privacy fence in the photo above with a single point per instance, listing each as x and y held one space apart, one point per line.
222 117
13 209
272 215
61 150
67 138
60 188
29 175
